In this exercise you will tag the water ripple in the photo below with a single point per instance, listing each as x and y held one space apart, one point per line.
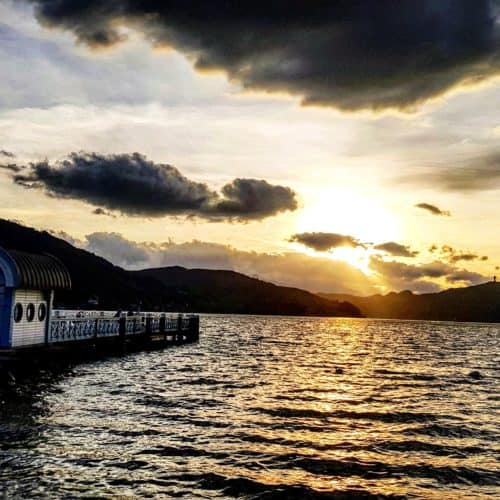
267 408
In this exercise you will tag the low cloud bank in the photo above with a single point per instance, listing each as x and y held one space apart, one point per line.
317 274
289 268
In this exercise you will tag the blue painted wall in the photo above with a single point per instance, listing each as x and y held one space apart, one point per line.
6 294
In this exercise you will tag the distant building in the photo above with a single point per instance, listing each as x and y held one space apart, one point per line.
27 284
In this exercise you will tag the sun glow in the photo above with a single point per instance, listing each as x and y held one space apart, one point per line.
357 257
350 213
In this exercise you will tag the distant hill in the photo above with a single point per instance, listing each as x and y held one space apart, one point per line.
229 291
169 288
474 303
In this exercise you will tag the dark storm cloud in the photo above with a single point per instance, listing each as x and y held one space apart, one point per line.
396 249
433 209
133 185
352 55
322 242
128 183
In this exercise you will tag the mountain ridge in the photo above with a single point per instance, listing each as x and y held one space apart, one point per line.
169 288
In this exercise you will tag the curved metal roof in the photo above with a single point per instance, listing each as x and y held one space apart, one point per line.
40 272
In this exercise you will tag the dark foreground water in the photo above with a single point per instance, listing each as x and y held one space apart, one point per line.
268 408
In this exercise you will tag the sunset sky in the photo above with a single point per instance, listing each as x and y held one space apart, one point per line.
334 146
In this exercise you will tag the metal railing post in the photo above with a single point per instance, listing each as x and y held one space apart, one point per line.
194 327
163 330
179 327
122 328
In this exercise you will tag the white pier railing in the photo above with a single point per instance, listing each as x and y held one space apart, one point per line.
70 327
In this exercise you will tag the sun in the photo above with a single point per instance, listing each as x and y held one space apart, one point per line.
350 213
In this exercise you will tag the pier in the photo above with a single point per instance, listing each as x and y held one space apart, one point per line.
96 325
33 333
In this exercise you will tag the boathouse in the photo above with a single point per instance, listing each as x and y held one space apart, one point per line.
27 285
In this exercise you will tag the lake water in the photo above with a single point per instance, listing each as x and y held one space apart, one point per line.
267 407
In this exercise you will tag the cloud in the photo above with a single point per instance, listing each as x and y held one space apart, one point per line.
290 268
350 55
410 272
133 185
117 249
481 174
433 209
467 257
7 154
322 242
469 277
12 167
63 235
252 199
421 277
396 249
101 211
452 255
313 273
474 174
